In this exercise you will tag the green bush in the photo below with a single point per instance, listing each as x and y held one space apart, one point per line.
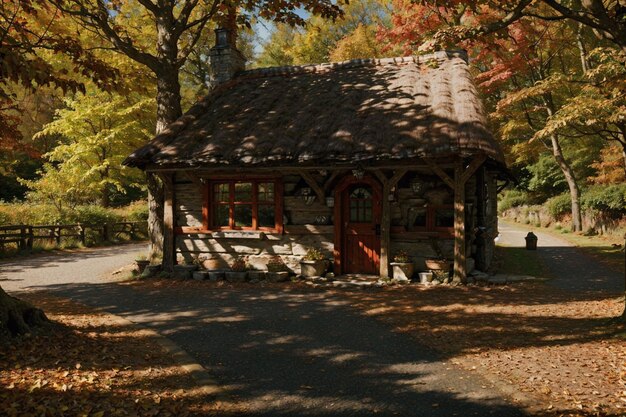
609 199
93 215
511 198
135 212
37 214
559 205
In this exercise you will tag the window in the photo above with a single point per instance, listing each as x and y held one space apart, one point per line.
361 205
245 204
432 218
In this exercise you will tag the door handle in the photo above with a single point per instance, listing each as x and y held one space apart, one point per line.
377 230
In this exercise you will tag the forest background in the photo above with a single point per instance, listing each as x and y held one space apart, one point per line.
552 78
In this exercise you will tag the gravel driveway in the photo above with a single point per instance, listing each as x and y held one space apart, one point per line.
276 350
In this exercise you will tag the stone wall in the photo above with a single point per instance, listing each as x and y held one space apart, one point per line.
310 226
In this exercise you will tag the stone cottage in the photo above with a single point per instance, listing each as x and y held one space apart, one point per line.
361 159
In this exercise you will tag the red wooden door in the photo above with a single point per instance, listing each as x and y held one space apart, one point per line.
361 233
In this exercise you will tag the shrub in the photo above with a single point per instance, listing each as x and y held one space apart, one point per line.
314 254
559 205
239 265
610 199
510 199
93 215
134 212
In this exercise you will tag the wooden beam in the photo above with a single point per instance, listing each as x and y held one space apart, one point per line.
473 166
385 220
329 182
193 178
460 265
440 172
321 196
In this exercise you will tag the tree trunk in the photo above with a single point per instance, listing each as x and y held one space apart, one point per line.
168 110
566 169
18 317
577 224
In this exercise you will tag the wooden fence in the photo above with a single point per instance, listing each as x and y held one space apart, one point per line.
23 236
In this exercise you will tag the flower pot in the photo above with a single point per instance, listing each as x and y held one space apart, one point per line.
200 275
437 264
216 275
184 271
236 276
142 264
278 276
403 270
313 268
425 277
256 275
151 271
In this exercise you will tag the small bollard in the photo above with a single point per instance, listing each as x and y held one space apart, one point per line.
531 241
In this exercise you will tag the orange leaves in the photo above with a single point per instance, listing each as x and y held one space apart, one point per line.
85 367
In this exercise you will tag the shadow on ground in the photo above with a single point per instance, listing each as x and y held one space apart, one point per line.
282 350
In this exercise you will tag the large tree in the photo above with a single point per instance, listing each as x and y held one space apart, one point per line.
30 29
179 25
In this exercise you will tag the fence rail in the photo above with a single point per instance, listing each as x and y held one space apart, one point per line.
25 235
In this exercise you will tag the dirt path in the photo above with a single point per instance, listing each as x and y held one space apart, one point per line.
569 267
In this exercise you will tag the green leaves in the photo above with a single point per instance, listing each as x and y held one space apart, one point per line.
98 131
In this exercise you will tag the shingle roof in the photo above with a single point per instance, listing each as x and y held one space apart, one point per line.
353 111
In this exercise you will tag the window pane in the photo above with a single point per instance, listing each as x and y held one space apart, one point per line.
221 192
243 191
420 217
221 215
243 215
361 193
266 216
444 217
266 191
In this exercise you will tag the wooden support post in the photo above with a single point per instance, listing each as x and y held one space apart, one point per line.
460 265
168 223
81 233
385 220
30 239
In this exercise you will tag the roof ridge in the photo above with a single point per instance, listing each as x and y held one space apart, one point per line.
352 63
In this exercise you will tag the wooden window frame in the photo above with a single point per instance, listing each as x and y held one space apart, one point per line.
431 211
210 204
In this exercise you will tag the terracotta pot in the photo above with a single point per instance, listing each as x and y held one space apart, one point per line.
437 264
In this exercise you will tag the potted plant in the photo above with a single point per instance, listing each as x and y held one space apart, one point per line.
238 270
314 263
437 264
277 270
403 267
142 262
185 269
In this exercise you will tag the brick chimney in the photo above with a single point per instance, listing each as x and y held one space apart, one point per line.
225 60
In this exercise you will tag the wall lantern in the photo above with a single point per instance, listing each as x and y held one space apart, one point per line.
358 173
307 196
418 187
330 201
